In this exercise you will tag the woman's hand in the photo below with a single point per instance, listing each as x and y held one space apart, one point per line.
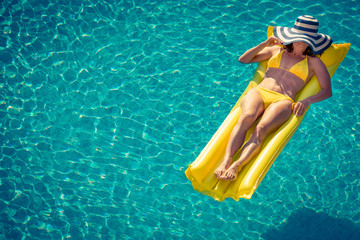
272 41
300 107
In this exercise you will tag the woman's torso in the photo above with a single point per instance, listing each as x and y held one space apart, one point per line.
287 73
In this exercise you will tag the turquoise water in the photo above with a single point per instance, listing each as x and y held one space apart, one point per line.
105 103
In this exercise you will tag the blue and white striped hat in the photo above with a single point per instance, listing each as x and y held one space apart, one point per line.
305 30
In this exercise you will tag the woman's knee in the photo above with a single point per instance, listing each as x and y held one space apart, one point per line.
260 132
268 123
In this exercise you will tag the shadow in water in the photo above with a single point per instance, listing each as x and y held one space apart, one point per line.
306 224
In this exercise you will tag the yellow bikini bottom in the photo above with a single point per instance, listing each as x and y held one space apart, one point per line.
269 96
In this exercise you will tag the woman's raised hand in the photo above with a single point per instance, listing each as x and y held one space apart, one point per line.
273 41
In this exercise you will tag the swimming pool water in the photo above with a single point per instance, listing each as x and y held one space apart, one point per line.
105 103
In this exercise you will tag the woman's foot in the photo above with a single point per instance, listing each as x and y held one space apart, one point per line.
222 168
231 173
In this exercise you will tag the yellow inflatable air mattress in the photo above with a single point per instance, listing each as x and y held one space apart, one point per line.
201 171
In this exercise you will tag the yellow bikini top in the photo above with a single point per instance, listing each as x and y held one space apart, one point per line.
300 69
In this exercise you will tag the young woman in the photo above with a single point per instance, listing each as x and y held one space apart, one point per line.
289 70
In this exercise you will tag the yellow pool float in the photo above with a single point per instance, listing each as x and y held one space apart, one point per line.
201 171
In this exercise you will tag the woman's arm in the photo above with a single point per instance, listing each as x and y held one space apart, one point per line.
323 77
261 52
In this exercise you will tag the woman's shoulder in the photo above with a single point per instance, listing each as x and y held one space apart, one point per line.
316 62
275 50
314 59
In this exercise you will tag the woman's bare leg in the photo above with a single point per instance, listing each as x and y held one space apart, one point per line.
274 116
252 106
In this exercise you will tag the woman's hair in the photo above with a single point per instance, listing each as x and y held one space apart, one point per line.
307 51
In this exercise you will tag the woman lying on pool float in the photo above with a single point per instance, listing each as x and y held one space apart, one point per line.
289 70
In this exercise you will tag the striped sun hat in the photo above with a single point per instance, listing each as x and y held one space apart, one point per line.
304 30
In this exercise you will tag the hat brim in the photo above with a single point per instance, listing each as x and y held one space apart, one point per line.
317 42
